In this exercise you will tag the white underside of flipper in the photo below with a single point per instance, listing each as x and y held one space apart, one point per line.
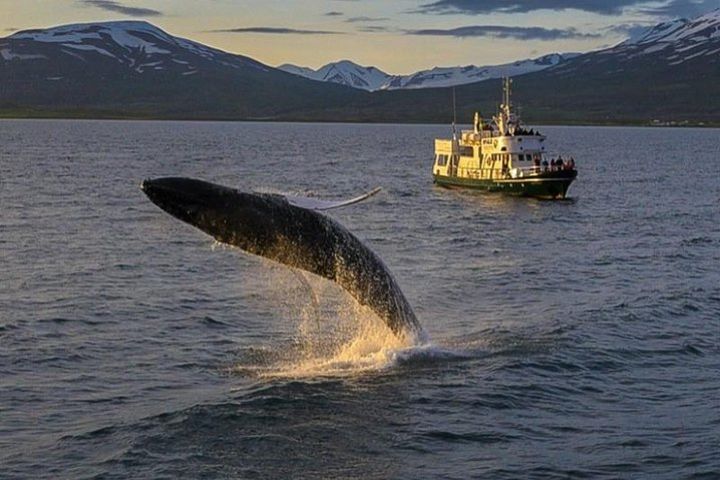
319 204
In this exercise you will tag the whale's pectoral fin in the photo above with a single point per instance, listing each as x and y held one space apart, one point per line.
318 204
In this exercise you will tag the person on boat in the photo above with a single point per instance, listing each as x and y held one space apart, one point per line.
545 165
552 164
571 164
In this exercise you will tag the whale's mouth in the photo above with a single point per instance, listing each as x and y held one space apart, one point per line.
199 203
176 196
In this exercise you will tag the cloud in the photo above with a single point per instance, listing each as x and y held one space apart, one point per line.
113 6
276 30
375 29
366 19
682 8
334 14
497 31
666 8
476 7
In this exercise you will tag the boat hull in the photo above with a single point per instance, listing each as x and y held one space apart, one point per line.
545 185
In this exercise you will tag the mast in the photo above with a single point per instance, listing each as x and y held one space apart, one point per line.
503 118
507 81
454 116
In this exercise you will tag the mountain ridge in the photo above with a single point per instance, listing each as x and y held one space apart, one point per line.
135 67
671 72
347 72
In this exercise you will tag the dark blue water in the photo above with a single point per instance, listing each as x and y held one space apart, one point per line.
575 339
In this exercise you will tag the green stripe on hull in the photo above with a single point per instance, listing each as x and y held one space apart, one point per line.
538 187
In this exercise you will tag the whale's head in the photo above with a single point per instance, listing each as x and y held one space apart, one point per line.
230 216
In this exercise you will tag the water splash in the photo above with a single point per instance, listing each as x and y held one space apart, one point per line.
334 335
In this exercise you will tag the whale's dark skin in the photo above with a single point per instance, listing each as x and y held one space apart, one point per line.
269 226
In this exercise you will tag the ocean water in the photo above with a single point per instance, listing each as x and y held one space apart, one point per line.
568 339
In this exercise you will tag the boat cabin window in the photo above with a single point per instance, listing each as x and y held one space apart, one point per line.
442 160
466 152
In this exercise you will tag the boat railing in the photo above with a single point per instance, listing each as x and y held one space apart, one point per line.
490 173
519 172
515 172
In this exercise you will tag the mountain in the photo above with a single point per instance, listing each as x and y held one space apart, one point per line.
139 46
670 72
371 78
682 35
135 67
343 72
665 45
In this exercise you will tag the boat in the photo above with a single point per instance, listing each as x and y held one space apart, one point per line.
502 155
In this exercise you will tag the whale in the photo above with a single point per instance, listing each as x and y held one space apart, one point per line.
271 226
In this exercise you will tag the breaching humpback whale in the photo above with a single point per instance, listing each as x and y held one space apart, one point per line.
270 226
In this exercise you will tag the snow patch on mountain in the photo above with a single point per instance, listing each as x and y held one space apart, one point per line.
93 48
8 55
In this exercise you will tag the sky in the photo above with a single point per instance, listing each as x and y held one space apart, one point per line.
397 36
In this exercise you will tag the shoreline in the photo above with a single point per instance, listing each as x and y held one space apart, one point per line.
114 116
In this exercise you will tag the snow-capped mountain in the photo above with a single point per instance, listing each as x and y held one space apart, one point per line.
694 31
676 41
666 44
343 72
135 66
371 78
138 46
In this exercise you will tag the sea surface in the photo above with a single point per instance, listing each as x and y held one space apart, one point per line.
575 339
